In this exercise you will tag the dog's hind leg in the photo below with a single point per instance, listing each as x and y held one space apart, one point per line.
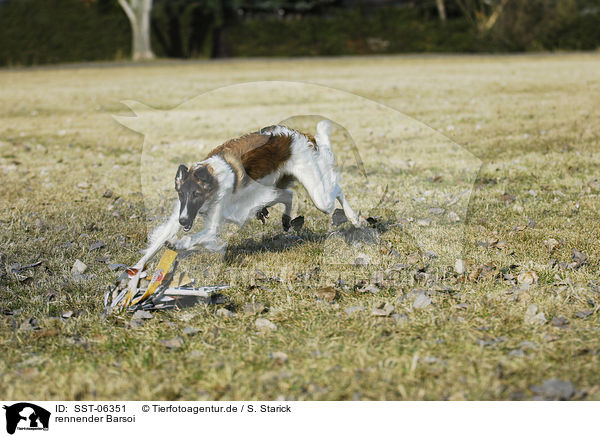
352 216
285 197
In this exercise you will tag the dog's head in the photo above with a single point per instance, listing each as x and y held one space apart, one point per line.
194 187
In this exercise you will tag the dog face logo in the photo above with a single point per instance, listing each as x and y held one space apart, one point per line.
194 187
26 416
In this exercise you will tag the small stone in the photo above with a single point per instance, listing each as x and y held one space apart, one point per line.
78 267
173 343
532 317
555 389
453 217
280 357
459 266
83 185
551 244
191 330
224 312
362 260
424 222
383 310
108 194
422 301
67 314
265 325
142 315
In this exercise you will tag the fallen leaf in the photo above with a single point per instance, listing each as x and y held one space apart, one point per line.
97 245
338 217
560 321
579 259
327 294
528 277
584 314
297 223
253 308
551 244
173 343
384 309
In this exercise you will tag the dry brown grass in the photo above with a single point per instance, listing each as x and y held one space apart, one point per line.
532 120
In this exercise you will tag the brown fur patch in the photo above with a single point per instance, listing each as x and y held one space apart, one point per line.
239 172
259 154
312 140
285 181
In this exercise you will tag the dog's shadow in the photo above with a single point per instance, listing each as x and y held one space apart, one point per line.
281 242
236 254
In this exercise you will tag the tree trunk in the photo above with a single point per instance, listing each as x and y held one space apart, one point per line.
138 13
441 7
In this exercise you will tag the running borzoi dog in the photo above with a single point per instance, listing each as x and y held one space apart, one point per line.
243 176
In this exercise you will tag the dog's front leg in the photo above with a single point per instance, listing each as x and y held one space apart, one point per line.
159 236
208 237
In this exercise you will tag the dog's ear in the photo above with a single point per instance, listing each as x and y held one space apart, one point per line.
202 174
182 173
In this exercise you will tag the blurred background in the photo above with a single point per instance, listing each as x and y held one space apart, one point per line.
52 31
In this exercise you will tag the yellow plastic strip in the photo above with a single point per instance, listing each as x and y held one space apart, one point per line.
162 269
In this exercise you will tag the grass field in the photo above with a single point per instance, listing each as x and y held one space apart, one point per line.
524 311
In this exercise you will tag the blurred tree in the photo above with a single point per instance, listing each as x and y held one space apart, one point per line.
441 7
138 12
483 14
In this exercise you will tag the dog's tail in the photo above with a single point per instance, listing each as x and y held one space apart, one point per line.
323 142
322 136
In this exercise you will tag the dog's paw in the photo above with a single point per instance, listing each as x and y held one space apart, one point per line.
286 221
185 243
262 215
